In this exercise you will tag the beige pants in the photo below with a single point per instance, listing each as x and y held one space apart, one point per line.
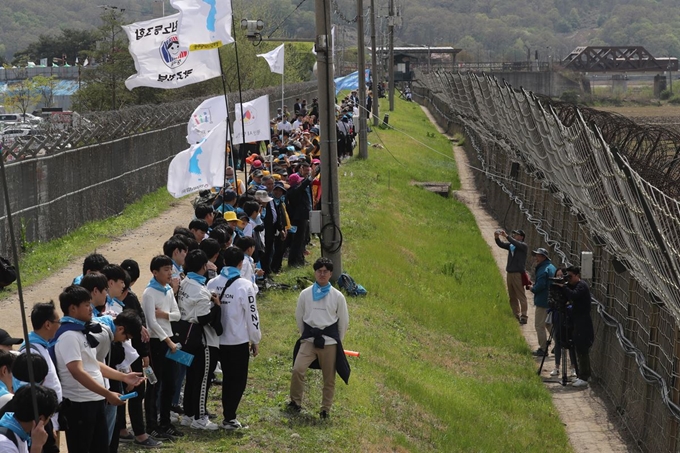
542 329
518 297
307 354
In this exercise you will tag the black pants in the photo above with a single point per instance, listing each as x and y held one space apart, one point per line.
198 380
136 405
87 431
280 246
296 254
164 369
234 360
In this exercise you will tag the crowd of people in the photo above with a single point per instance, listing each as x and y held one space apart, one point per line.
562 305
111 356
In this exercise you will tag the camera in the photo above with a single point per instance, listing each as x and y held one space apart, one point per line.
499 231
559 280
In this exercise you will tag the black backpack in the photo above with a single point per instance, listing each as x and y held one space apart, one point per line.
8 273
8 433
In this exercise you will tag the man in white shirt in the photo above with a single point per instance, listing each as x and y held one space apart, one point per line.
82 376
241 335
322 319
160 309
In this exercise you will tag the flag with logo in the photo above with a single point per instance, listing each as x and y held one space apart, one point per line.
209 114
163 58
204 24
254 119
275 59
201 166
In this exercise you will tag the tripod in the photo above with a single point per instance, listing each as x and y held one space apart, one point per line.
564 345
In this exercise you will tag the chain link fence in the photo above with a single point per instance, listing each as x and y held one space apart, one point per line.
93 170
584 184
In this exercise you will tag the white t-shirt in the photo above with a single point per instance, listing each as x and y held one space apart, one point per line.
240 319
7 446
4 399
72 346
194 302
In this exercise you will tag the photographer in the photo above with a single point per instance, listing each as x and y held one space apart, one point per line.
562 324
517 257
544 270
578 296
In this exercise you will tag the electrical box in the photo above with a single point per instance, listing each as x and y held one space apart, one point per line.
587 265
315 222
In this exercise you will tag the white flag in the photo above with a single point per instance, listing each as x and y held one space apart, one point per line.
254 118
204 23
86 62
275 59
201 166
209 114
163 60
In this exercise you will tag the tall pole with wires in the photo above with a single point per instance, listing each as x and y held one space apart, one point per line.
363 136
390 64
374 68
331 237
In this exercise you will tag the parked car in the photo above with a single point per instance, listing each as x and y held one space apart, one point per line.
17 118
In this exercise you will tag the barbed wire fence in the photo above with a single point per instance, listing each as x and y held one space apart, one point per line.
589 181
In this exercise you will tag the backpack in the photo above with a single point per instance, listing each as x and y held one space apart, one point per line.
9 434
8 273
351 287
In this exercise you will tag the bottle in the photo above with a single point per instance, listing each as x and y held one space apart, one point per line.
179 346
150 375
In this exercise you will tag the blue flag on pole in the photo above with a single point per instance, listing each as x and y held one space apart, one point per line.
350 81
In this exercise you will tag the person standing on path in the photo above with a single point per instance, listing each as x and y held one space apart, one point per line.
541 288
515 268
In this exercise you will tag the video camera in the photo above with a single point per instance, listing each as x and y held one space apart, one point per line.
559 280
556 298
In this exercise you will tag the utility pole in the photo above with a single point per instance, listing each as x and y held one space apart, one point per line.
374 68
390 24
331 241
363 124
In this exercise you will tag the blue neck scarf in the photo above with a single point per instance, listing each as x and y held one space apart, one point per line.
112 300
512 249
319 292
196 277
11 423
153 283
177 268
68 319
36 339
230 272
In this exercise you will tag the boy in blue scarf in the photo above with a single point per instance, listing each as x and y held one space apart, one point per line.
18 430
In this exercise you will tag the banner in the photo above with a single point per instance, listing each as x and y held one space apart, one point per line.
274 59
201 166
163 59
255 117
350 81
204 24
209 114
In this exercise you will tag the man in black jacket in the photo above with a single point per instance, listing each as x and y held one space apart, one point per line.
274 219
583 335
299 199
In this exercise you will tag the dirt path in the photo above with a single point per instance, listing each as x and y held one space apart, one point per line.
140 244
588 424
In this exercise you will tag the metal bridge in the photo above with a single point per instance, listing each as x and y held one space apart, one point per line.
617 59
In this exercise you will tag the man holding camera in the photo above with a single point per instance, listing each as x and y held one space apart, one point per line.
541 288
517 258
578 296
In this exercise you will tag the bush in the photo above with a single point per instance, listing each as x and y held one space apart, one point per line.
665 95
570 97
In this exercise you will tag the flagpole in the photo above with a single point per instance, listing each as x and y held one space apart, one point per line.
230 136
240 96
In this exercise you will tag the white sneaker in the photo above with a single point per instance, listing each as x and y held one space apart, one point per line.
579 383
204 423
555 372
573 372
231 425
185 420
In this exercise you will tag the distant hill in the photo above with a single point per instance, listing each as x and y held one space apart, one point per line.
484 29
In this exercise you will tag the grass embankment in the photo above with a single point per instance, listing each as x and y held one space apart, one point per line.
443 366
44 258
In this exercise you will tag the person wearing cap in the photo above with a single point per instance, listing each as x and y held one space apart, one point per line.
299 200
7 341
541 287
235 184
515 268
280 242
228 202
256 178
577 293
274 223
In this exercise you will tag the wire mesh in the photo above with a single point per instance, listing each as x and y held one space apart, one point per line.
588 181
